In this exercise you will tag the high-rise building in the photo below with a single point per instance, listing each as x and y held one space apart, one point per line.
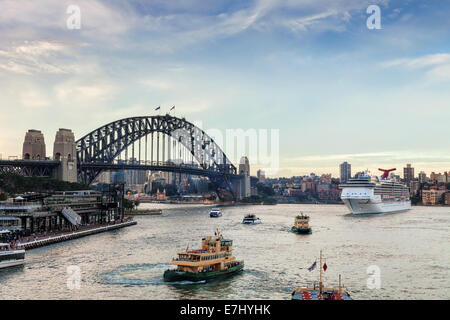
261 176
34 146
414 187
422 177
408 173
346 171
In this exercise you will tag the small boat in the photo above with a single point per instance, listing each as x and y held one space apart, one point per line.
318 291
251 219
215 213
9 256
214 259
301 224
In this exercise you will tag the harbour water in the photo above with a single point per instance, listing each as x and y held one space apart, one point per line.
410 249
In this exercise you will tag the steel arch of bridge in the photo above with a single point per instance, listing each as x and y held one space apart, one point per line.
105 144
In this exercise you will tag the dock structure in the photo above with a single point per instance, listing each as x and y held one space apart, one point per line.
73 235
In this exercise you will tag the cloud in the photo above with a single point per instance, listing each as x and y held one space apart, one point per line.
420 62
157 83
48 18
165 26
84 93
436 66
32 98
51 57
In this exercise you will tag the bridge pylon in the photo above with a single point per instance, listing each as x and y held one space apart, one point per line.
65 151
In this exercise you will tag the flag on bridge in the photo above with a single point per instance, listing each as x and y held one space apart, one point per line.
159 107
313 266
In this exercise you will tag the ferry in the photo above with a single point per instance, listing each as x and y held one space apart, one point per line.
10 256
319 291
214 259
301 224
215 213
367 194
251 219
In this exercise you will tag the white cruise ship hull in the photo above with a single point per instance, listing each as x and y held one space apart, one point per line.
359 206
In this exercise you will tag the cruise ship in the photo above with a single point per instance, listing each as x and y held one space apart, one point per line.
367 194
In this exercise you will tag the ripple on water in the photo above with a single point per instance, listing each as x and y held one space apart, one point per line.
141 275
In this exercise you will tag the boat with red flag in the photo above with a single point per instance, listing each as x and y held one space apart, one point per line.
317 291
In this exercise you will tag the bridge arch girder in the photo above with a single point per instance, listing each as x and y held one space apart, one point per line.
105 144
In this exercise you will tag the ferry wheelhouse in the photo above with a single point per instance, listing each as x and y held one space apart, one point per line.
318 291
212 260
301 224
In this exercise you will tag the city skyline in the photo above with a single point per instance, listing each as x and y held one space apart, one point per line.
313 70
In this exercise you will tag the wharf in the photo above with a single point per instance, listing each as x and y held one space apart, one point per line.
73 235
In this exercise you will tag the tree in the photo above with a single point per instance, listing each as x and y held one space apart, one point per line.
3 196
128 204
171 190
265 190
16 184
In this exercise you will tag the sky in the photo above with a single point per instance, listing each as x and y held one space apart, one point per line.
311 70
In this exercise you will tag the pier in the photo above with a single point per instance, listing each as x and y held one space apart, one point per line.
73 235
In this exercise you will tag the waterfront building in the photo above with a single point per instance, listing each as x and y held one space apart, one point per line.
346 171
294 192
395 177
408 173
432 196
309 185
323 187
58 211
325 178
438 177
332 194
441 178
34 146
447 198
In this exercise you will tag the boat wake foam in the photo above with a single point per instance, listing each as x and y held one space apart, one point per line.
143 274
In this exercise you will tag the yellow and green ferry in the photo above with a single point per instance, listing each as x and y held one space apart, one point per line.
214 259
301 224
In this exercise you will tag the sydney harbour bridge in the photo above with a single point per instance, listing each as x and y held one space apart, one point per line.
157 143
